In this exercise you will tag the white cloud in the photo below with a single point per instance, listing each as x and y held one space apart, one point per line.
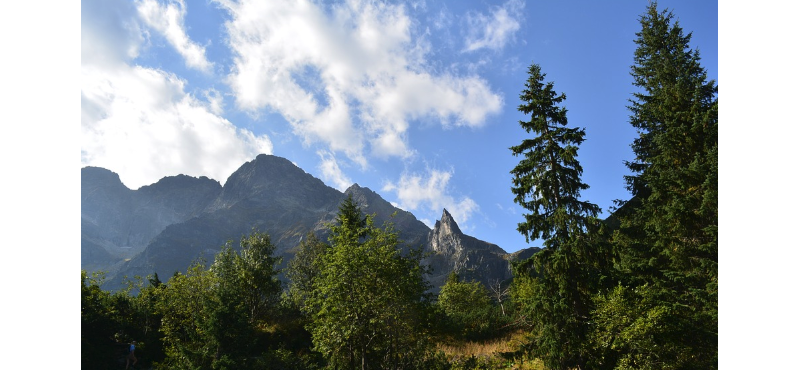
415 192
351 76
331 172
495 30
215 101
168 20
140 122
108 33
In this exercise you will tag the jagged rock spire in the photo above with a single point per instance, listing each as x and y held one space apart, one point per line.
447 224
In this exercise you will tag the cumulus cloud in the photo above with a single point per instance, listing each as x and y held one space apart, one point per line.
493 31
109 35
416 192
140 122
215 101
168 19
351 76
331 172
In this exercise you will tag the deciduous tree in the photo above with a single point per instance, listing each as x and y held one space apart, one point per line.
368 305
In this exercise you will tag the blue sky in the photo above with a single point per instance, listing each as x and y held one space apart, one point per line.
416 100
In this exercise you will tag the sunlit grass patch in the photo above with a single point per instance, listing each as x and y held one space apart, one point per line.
495 353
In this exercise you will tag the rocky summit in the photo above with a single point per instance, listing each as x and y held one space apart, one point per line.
165 227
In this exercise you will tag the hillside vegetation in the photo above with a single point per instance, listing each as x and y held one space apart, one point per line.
635 291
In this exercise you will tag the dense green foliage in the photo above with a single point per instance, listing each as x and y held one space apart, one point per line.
468 310
667 241
636 291
644 297
211 317
554 286
367 305
204 318
547 179
304 268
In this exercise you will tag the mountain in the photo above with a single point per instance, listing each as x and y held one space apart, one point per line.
166 226
118 223
472 258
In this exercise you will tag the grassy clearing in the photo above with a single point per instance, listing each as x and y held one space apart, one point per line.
491 354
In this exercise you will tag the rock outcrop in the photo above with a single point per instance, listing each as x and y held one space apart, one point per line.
471 258
167 226
118 223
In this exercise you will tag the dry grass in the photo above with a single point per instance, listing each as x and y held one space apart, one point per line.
491 351
488 348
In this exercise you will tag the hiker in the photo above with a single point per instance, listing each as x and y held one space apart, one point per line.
131 356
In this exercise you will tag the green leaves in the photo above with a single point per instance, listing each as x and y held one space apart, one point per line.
367 301
468 309
211 316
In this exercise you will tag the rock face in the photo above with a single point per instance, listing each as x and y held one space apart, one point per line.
413 232
117 223
269 194
167 226
471 258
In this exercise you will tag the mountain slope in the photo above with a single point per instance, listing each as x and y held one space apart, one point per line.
117 223
471 258
165 227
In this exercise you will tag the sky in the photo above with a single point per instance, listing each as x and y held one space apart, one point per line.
51 47
416 100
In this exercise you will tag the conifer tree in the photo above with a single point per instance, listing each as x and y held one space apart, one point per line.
554 286
668 237
547 180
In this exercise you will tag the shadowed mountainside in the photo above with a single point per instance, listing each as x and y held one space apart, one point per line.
166 226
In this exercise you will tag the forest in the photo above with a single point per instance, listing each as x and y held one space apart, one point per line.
637 290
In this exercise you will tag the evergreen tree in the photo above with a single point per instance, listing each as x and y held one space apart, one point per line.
554 286
547 180
351 222
667 240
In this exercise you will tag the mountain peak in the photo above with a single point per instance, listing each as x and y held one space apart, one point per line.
468 256
164 226
448 224
269 178
353 188
100 175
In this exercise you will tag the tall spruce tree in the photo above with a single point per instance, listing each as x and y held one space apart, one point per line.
554 286
668 236
547 180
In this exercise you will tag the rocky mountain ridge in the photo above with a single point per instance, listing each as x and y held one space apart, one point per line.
166 226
